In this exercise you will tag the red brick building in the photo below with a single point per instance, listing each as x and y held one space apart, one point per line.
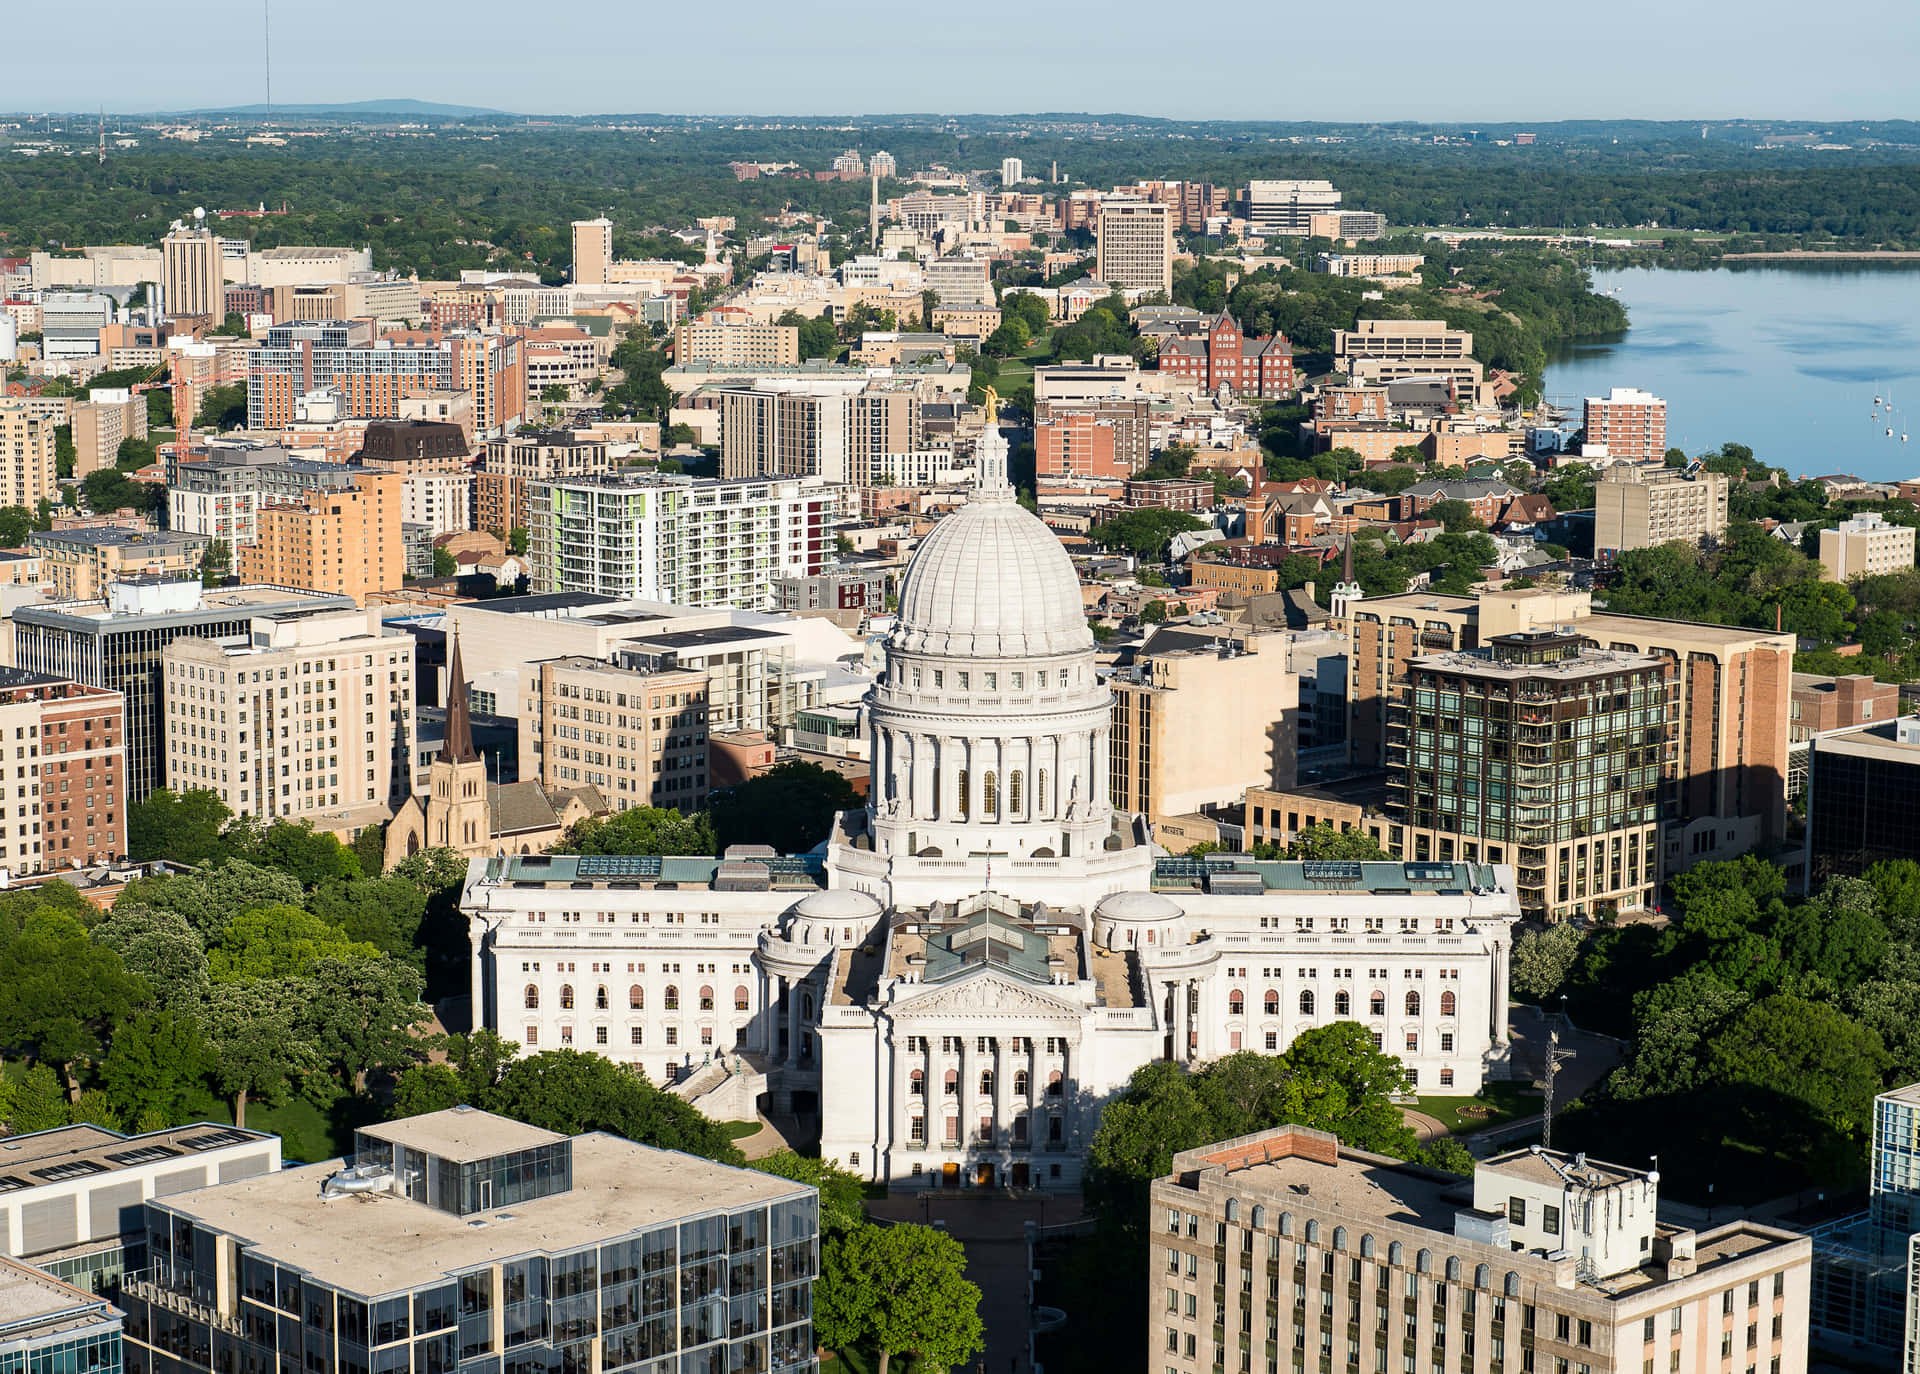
1171 493
1224 354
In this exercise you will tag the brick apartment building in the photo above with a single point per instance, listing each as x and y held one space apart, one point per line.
77 814
1224 354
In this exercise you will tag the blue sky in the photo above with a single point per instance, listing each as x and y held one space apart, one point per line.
1244 59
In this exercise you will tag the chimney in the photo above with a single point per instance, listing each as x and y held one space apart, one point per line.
1308 589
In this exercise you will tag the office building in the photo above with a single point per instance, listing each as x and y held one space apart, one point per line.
1543 1260
1545 753
1134 245
192 275
1866 545
1286 207
1369 265
345 542
657 537
1725 792
959 281
77 564
1863 1296
640 738
1199 716
375 377
71 323
1351 225
460 1239
842 430
440 501
592 251
117 643
74 1193
1098 440
50 1327
415 445
859 975
1011 172
27 450
1638 508
844 595
101 423
502 483
1223 355
1401 341
69 798
1863 798
303 714
735 341
1821 704
1631 424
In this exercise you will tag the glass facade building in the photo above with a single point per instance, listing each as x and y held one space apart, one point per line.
51 1327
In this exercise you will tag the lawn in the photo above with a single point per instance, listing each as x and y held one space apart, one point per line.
1497 1103
306 1133
740 1130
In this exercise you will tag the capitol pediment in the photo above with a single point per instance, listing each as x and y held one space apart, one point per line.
985 993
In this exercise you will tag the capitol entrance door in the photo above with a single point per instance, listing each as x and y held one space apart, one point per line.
950 1175
1020 1176
983 1175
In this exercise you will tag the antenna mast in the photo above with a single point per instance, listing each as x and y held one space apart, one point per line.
266 33
1555 1057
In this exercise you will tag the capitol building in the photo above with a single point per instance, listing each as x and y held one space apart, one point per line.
959 978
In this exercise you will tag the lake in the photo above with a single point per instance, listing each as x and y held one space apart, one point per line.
1786 360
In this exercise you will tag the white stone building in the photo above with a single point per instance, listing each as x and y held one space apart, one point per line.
964 972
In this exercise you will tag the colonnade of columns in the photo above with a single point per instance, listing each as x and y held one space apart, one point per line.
967 1061
1034 777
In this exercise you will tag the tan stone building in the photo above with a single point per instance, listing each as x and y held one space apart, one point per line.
592 251
1134 245
67 802
1199 716
101 423
640 738
347 542
732 341
192 275
1638 508
304 716
26 454
502 490
1285 1251
1866 546
77 565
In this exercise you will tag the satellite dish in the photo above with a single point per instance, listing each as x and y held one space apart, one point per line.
199 213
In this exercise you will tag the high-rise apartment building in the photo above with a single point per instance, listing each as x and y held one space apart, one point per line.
842 431
717 542
883 164
735 341
592 251
101 423
304 714
192 275
463 1239
346 542
1286 207
77 565
1012 173
502 484
1198 718
641 738
1091 439
1866 546
68 802
1727 791
1630 422
1638 508
117 644
1545 753
1557 1260
27 444
959 281
375 377
1134 247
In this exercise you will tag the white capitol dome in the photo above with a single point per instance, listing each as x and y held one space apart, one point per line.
991 581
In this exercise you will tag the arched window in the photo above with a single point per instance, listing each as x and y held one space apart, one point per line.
806 1006
1423 1262
986 1083
950 1082
990 794
600 999
1510 1285
1396 1254
672 1000
706 998
1306 1002
1413 1004
1313 1231
1377 1004
1446 1004
533 998
1233 1209
960 794
566 997
740 998
1236 1003
1040 793
1453 1268
1286 1223
1013 793
1273 1003
1482 1276
1259 1215
1366 1245
917 1083
1022 1083
1342 1004
636 998
1056 1086
1339 1237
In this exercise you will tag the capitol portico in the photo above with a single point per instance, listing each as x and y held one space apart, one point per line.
964 972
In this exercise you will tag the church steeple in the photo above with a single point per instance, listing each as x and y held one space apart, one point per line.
458 745
1346 591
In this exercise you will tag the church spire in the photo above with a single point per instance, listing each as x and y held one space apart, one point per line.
458 745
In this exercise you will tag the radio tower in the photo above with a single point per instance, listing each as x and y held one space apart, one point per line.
266 46
103 135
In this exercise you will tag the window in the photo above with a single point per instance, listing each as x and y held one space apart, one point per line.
706 999
740 998
917 1083
672 999
636 998
533 997
1377 1004
566 996
600 999
1446 1004
1236 1003
1272 1003
1342 1004
1306 1002
1550 1219
1413 1004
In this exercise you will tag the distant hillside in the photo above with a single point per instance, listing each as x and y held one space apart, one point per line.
424 109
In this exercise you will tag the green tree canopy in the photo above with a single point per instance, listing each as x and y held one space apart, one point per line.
278 942
181 826
899 1290
790 806
640 830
